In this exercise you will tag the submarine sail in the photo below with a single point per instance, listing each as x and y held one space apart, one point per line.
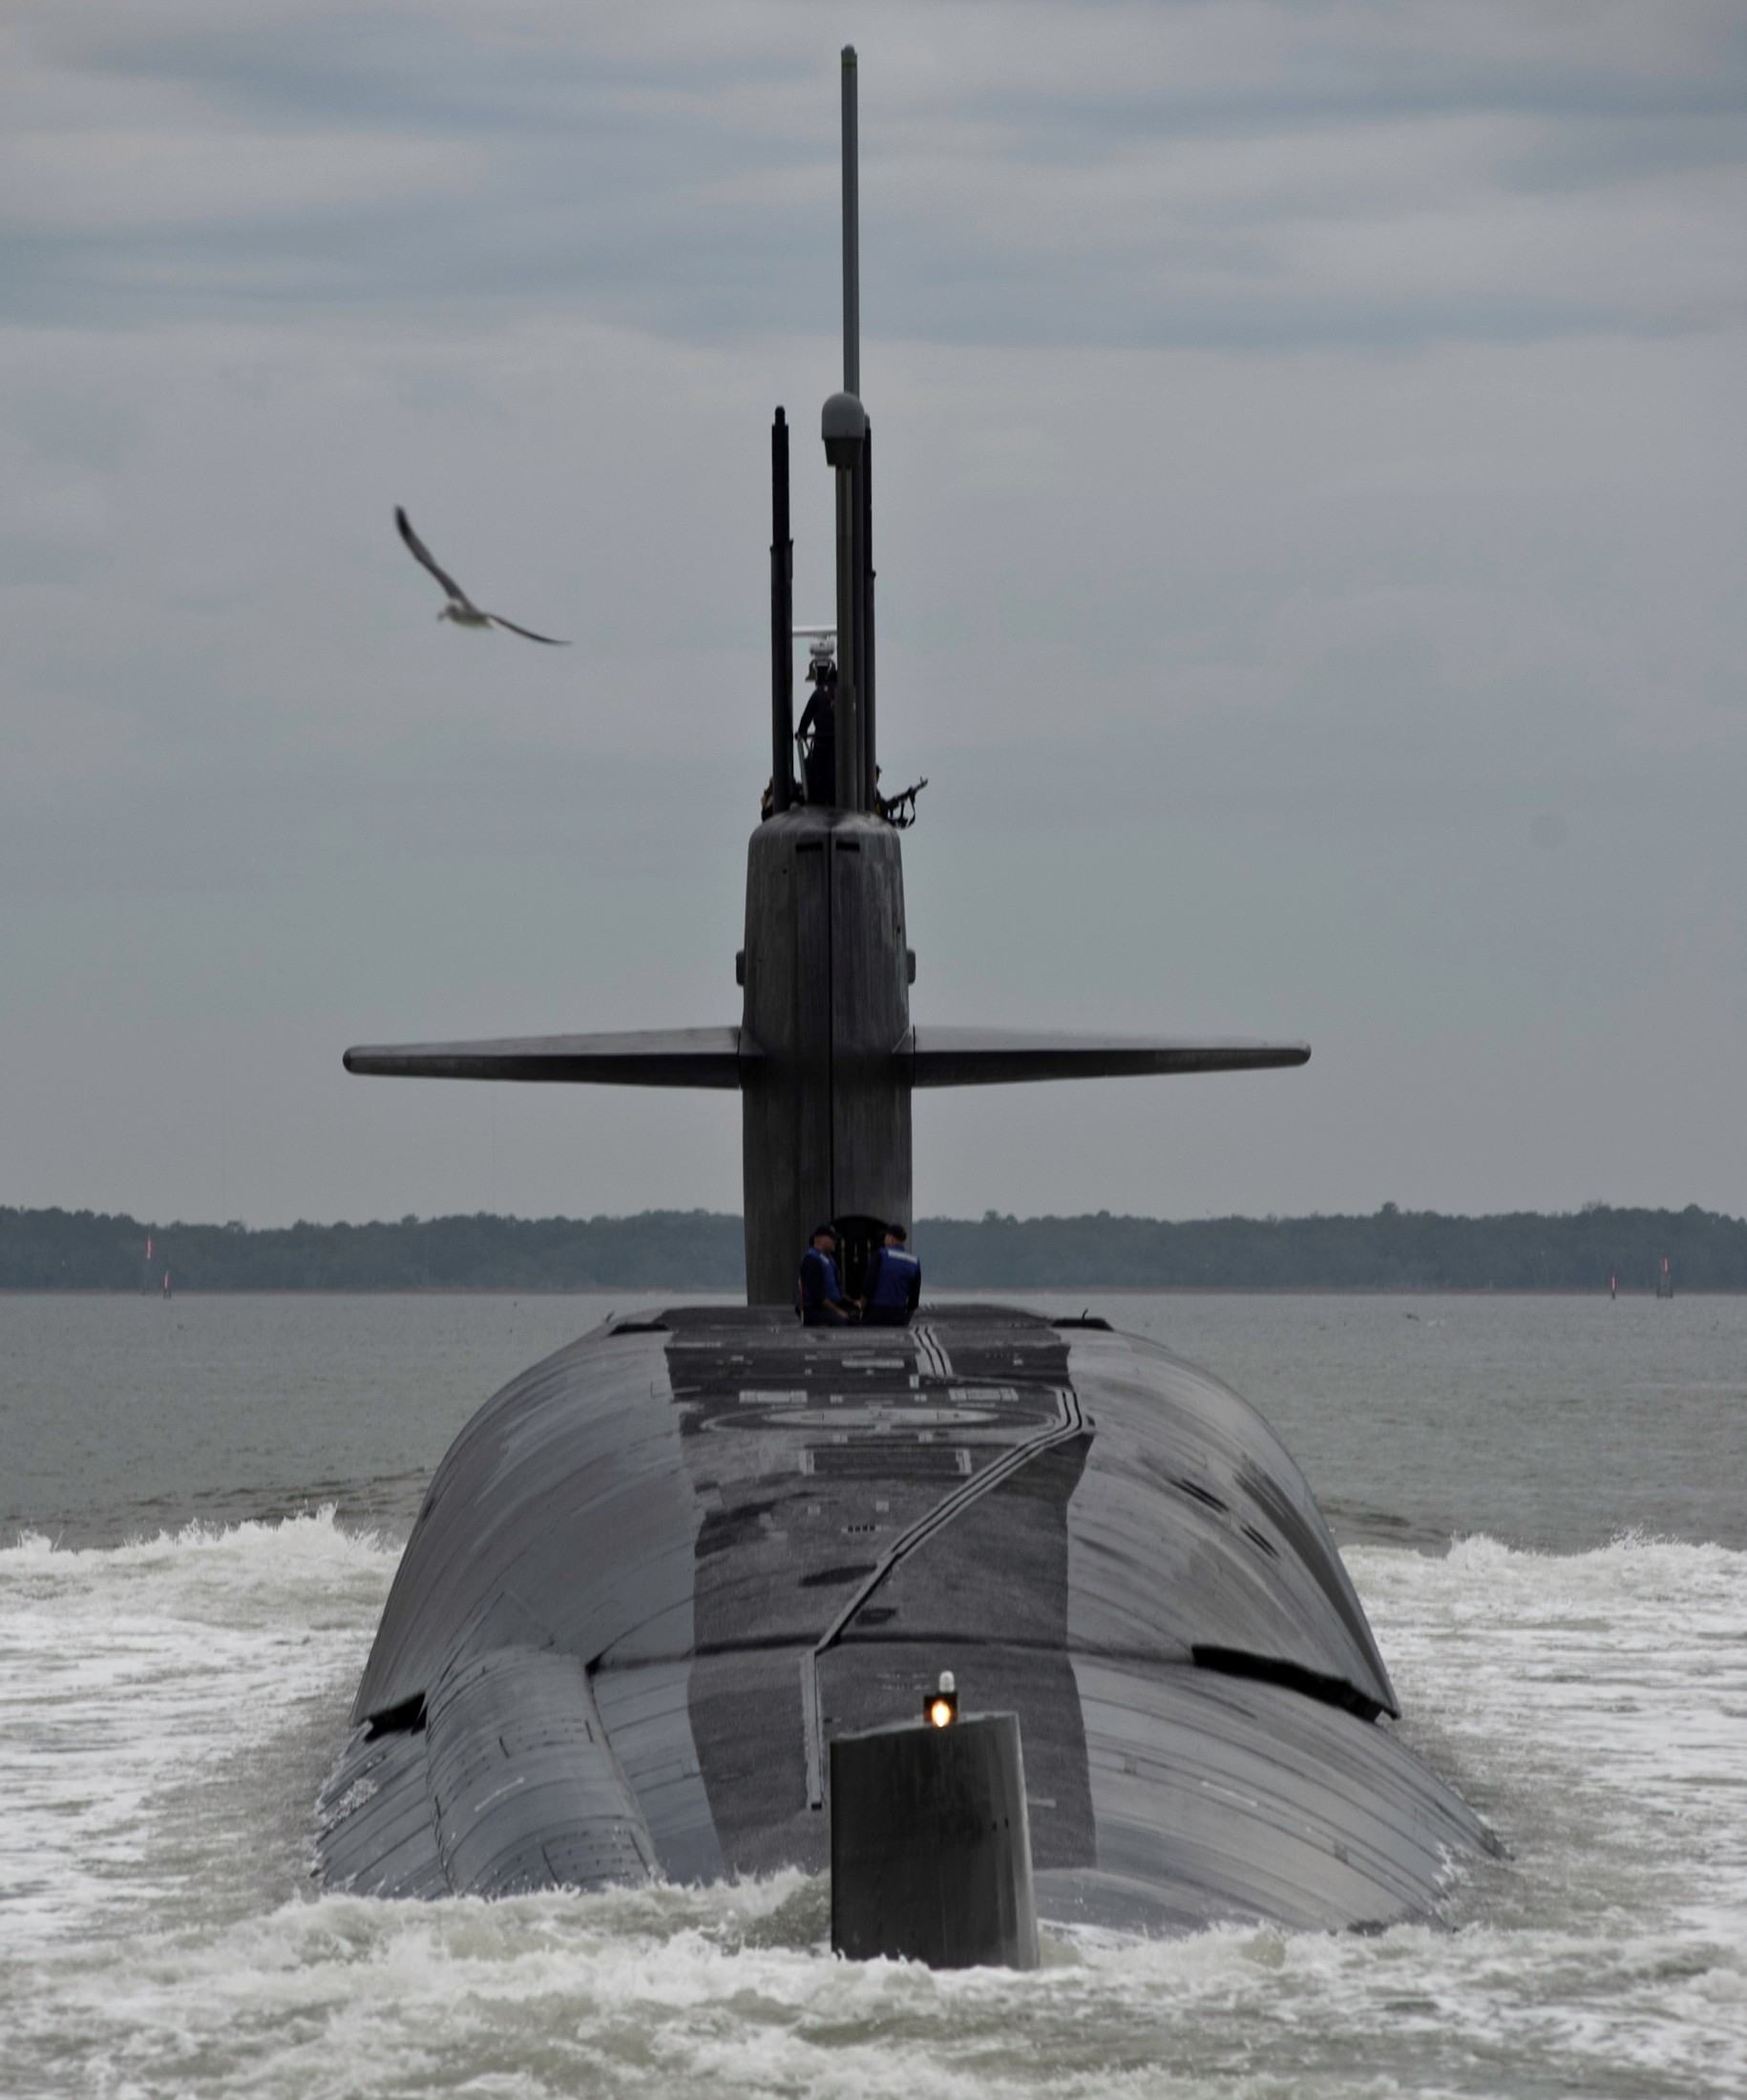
657 1574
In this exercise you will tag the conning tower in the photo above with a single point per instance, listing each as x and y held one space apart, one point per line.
825 1057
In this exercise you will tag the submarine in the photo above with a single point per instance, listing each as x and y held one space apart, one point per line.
658 1574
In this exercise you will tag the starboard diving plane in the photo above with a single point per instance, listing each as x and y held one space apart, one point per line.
658 1572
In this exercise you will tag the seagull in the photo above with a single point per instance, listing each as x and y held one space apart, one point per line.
461 608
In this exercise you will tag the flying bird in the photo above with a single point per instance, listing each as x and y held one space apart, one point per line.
461 608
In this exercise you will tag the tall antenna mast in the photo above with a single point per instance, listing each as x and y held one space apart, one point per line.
851 234
844 430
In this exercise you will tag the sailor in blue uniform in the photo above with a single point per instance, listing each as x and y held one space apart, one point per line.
894 1282
818 1291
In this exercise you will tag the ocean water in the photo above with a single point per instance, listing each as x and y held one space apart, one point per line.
202 1503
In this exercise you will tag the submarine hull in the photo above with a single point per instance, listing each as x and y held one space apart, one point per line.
657 1573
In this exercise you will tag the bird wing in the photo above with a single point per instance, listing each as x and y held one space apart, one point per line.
528 634
422 554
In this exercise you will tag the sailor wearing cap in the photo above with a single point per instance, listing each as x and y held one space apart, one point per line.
818 1291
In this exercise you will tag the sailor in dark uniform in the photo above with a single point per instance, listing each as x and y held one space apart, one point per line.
818 733
818 1291
894 1282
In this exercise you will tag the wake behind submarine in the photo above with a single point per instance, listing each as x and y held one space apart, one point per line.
661 1572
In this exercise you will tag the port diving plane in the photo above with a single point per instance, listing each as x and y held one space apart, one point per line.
657 1574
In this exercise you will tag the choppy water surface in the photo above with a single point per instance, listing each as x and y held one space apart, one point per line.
212 1508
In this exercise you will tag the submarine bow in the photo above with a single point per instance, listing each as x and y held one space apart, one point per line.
658 1572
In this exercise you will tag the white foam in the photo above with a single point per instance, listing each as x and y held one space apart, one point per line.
1599 1693
129 1674
1593 1706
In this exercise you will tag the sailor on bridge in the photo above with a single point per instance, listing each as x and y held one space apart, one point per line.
817 735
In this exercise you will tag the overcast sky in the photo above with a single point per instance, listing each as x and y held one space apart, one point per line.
1311 531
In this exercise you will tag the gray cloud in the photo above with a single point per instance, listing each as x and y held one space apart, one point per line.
1117 175
1310 531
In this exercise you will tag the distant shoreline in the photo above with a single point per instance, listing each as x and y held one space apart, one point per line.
682 1290
1390 1251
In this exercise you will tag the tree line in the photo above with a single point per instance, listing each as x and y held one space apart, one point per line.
1390 1249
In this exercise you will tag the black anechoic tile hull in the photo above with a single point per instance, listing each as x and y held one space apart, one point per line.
657 1573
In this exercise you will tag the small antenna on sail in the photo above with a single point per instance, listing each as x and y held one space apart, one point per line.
852 233
782 619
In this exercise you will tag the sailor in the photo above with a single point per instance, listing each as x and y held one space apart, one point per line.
817 734
818 1291
894 1282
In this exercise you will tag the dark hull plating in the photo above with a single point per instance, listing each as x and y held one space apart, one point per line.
658 1572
